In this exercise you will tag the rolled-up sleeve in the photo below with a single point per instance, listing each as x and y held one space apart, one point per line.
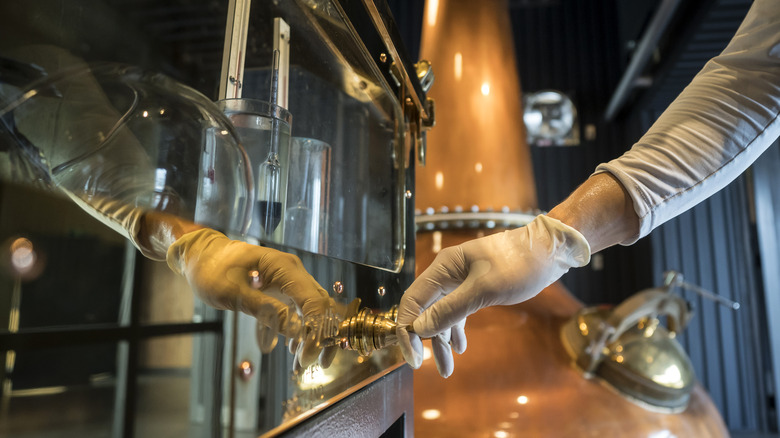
722 122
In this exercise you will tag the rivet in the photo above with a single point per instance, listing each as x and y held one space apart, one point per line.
254 279
245 370
338 287
383 57
381 291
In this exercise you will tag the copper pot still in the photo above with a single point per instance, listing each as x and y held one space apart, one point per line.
523 373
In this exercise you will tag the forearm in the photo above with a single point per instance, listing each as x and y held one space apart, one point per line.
158 231
714 130
601 210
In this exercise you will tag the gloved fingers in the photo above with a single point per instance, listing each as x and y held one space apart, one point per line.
297 366
442 354
450 310
293 344
327 355
443 276
411 347
267 337
309 350
287 273
458 337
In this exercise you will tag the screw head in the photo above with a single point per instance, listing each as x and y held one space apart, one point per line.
245 370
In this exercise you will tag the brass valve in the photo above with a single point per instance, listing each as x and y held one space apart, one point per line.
363 330
367 331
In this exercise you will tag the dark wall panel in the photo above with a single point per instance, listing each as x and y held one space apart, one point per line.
575 47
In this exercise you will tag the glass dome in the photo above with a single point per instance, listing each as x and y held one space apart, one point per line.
108 132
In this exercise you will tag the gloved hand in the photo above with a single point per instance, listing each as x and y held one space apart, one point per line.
500 269
234 275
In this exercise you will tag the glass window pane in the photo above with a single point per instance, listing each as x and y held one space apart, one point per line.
63 391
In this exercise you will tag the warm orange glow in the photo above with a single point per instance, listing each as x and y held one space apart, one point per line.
478 167
522 399
427 353
458 63
439 180
22 254
431 414
433 9
478 110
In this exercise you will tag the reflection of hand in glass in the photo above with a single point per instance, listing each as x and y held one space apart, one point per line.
150 158
259 281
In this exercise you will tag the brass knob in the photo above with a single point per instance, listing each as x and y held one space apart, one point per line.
367 331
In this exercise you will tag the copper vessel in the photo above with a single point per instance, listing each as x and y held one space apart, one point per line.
516 377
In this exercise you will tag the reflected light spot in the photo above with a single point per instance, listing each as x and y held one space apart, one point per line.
514 415
500 434
505 425
431 414
439 180
433 9
436 242
458 66
146 114
485 88
619 359
22 254
522 399
162 111
670 377
427 353
314 376
223 132
478 167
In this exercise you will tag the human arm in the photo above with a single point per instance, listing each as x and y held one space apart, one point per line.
722 122
147 169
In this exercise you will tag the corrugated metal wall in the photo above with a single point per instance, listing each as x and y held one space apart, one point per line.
574 46
714 246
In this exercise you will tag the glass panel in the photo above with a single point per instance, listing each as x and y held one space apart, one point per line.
170 400
56 392
62 269
340 103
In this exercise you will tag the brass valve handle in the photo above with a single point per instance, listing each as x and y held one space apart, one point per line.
364 331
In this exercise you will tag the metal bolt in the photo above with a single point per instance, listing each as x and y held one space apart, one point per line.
338 287
381 291
408 194
383 58
245 370
254 279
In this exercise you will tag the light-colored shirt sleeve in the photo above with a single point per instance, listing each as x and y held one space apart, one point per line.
722 122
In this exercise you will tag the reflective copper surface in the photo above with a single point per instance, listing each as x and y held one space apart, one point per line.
477 153
516 380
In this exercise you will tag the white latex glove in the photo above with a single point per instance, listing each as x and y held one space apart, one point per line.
219 270
500 269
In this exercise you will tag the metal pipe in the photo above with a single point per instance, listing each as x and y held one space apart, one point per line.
643 52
